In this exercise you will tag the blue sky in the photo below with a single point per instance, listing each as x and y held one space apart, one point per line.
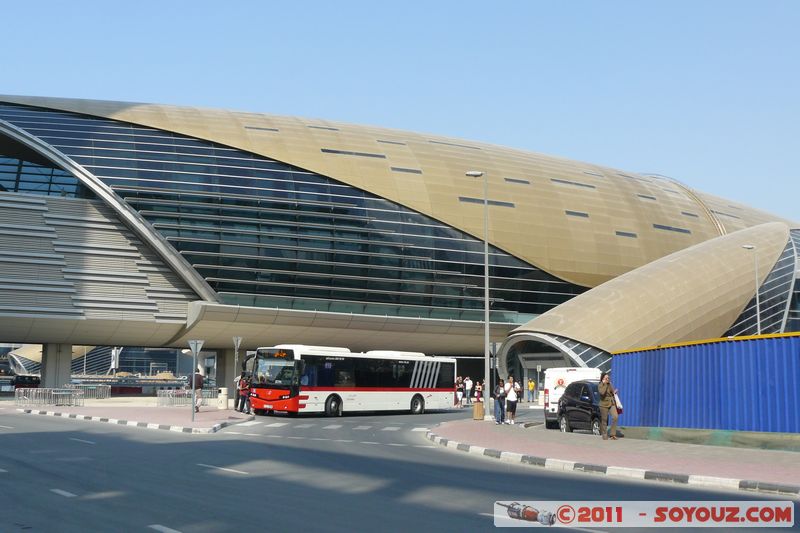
705 92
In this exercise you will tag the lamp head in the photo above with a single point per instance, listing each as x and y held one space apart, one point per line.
474 173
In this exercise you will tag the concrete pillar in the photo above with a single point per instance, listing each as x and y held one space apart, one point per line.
226 372
56 365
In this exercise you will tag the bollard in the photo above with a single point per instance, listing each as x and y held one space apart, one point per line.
222 398
477 411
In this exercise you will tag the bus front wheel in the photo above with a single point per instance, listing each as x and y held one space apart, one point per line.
417 405
333 406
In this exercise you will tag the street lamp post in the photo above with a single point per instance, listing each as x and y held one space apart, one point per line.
758 301
237 341
486 338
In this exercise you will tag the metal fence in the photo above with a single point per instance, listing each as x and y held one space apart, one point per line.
181 397
42 397
92 392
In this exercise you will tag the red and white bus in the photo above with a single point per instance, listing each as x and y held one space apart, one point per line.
321 379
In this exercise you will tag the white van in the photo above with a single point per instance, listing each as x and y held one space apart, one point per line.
555 381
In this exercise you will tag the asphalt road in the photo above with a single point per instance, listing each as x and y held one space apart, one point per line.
353 473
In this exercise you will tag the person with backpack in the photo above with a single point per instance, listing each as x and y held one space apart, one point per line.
500 403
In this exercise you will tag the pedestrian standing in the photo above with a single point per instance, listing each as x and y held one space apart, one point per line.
512 395
459 391
244 394
531 388
607 405
241 383
468 389
478 391
500 403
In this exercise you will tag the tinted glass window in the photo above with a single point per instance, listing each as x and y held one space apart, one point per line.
311 222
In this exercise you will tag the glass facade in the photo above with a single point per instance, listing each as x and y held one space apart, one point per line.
793 317
774 297
265 233
24 171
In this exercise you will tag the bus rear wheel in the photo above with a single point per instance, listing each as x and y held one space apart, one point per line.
417 405
333 406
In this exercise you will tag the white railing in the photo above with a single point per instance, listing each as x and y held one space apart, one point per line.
41 397
92 392
181 397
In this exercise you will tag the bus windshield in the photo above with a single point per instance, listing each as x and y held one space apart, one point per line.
274 367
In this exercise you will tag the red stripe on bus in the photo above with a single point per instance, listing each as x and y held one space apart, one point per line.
372 389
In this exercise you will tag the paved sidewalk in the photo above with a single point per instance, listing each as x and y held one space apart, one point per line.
142 412
709 466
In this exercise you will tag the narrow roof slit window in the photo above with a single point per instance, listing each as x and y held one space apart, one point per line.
348 152
408 170
688 214
323 128
646 196
593 173
725 214
671 228
626 234
454 144
575 183
498 203
633 177
391 142
259 128
580 214
517 180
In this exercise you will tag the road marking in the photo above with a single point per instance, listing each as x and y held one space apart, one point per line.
332 426
83 441
296 438
234 433
275 436
368 442
221 468
163 529
6 427
391 428
253 434
3 471
304 426
63 493
361 428
251 423
277 425
392 444
317 438
343 440
420 429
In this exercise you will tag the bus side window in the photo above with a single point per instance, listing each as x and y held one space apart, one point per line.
447 376
344 373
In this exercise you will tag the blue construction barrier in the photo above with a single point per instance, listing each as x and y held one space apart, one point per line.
748 384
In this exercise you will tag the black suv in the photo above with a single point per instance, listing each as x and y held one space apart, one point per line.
579 407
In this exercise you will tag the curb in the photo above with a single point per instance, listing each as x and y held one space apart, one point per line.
148 425
619 471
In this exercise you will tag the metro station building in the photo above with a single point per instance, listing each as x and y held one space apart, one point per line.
126 224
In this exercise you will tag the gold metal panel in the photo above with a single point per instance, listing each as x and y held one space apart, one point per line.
536 230
692 294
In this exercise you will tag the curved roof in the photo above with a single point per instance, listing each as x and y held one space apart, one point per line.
693 294
591 223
